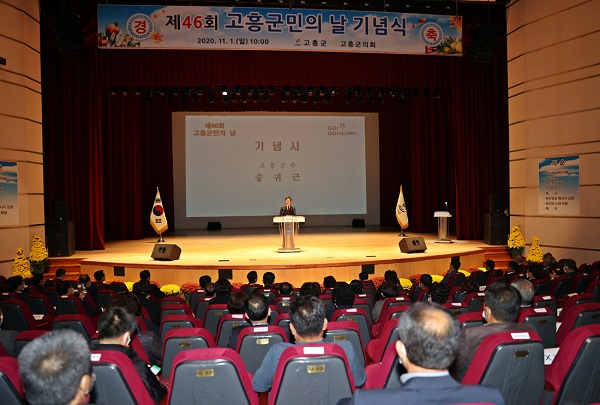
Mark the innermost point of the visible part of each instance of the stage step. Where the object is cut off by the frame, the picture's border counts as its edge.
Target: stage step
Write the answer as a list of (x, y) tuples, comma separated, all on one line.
[(497, 253), (70, 264)]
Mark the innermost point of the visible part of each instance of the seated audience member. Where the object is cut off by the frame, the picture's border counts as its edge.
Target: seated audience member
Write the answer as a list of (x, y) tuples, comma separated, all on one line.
[(428, 340), (16, 284), (116, 327), (149, 339), (500, 310), (203, 281), (342, 297), (307, 324), (511, 269), (425, 282), (65, 288), (543, 271), (452, 270), (100, 278), (363, 276), (209, 290), (569, 269), (7, 337), (252, 285), (389, 275), (526, 289), (237, 303), (490, 265), (56, 369), (88, 286), (469, 285), (38, 281), (388, 289), (156, 292), (222, 290), (357, 286), (269, 279), (310, 289), (257, 313), (329, 282), (142, 290), (60, 275), (89, 295), (438, 293), (285, 289)]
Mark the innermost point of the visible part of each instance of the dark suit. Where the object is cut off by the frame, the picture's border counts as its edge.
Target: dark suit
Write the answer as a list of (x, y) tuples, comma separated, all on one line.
[(471, 339), (283, 211), (441, 390)]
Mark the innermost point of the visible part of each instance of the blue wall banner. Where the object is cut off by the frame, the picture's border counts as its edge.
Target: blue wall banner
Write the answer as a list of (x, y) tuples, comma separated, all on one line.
[(558, 186), (282, 29), (9, 194)]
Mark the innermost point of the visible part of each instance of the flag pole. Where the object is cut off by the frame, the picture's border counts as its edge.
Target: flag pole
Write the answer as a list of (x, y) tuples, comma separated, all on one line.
[(160, 238)]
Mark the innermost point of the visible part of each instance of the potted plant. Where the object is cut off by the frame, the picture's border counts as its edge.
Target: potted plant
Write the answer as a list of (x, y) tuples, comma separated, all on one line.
[(38, 256), (535, 251), (516, 242), (20, 265)]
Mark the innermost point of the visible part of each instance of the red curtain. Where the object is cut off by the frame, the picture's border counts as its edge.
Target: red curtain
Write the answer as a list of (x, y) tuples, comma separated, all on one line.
[(106, 153)]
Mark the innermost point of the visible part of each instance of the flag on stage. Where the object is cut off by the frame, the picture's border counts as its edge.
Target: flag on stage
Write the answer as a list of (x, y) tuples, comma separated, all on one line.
[(158, 219), (401, 214)]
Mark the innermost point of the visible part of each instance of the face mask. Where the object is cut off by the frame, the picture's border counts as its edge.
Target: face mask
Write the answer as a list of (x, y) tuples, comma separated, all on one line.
[(483, 314), (1, 319)]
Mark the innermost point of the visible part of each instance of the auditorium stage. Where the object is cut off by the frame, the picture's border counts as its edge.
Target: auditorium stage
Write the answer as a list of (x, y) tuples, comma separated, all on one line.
[(338, 251)]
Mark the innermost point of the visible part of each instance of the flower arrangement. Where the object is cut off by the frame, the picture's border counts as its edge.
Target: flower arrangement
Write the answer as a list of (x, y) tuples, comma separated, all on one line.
[(129, 285), (190, 288), (414, 278), (170, 289), (465, 272), (516, 240), (155, 283), (437, 278), (38, 256), (236, 285), (535, 251), (20, 265), (405, 283), (377, 281)]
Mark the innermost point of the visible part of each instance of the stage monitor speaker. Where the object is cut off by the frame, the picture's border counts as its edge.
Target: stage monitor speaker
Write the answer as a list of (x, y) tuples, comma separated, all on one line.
[(61, 239), (166, 251), (61, 211), (495, 229), (412, 245), (213, 226), (496, 203), (358, 223)]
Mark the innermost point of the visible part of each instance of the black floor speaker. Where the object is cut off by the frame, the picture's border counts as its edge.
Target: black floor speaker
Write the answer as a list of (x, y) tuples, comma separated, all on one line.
[(412, 245), (495, 229), (166, 251), (61, 238)]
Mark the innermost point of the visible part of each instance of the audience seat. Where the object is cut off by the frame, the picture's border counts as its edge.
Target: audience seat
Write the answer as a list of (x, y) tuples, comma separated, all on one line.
[(23, 338), (215, 376), (170, 322), (18, 316), (175, 309), (594, 289), (8, 296), (580, 283), (69, 304), (194, 297), (560, 286), (470, 319), (52, 294), (387, 373), (275, 312), (178, 340), (11, 386), (544, 321), (250, 289), (396, 301), (117, 380), (283, 321), (541, 286), (135, 344), (474, 301), (212, 316), (349, 331), (270, 293), (572, 300), (367, 297), (578, 360), (391, 313), (456, 308), (106, 296), (480, 276), (118, 286), (357, 315), (327, 301), (545, 301), (226, 323), (579, 315), (387, 336), (283, 303), (513, 362), (255, 341), (170, 300), (312, 374), (40, 304), (76, 322), (200, 307)]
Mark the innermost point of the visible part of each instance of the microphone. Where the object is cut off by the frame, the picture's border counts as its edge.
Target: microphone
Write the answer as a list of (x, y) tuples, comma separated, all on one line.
[(446, 202)]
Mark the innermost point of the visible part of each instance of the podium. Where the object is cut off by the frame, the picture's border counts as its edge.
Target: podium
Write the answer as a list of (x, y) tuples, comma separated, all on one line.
[(442, 217), (288, 229)]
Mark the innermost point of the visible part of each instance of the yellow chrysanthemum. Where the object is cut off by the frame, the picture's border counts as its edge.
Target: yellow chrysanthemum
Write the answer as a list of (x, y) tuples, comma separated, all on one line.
[(516, 240), (21, 265), (129, 285), (535, 251), (170, 289), (38, 252), (405, 283), (437, 278)]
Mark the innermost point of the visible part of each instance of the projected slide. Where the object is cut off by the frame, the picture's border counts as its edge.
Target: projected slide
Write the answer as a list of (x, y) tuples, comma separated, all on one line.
[(246, 165)]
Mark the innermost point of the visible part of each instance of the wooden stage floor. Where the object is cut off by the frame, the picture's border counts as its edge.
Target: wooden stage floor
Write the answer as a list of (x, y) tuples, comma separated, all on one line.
[(338, 251)]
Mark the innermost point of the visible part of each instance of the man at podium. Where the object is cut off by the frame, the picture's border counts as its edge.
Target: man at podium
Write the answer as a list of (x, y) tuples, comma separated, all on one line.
[(287, 208)]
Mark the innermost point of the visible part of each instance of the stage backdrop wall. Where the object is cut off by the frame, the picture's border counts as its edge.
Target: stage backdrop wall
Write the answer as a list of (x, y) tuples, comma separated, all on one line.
[(106, 154)]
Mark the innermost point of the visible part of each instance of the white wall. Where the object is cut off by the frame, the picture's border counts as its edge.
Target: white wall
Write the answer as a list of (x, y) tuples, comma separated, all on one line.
[(21, 122), (554, 110)]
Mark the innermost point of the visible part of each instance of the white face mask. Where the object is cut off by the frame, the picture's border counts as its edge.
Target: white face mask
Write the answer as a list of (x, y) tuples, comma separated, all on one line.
[(1, 319), (483, 314)]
